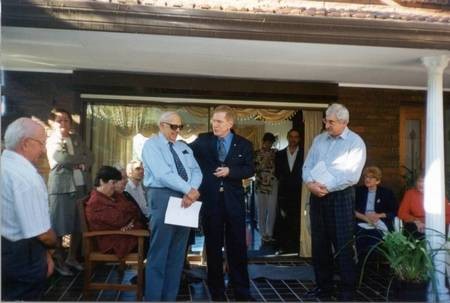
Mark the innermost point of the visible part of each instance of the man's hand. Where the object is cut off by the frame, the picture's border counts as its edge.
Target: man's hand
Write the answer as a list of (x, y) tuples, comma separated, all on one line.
[(190, 198), (48, 238), (317, 189), (221, 171), (50, 264)]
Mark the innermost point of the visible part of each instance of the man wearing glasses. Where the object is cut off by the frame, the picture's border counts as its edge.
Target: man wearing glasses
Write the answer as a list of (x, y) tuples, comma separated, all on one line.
[(333, 165), (26, 231), (170, 170)]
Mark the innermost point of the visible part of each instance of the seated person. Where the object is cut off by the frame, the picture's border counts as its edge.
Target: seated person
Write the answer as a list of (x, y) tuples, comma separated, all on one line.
[(412, 211), (120, 189), (107, 210), (375, 210)]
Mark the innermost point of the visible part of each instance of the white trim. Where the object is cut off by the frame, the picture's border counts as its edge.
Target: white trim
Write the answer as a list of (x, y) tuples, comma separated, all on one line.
[(39, 70), (345, 84), (205, 101)]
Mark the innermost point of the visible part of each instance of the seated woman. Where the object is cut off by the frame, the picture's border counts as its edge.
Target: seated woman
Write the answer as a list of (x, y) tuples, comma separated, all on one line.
[(108, 210), (412, 211), (375, 210)]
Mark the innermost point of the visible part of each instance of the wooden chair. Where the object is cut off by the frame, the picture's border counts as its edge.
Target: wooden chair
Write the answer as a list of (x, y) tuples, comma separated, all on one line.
[(92, 255)]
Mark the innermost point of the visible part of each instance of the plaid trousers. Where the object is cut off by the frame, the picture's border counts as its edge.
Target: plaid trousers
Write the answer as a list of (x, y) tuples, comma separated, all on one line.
[(332, 223)]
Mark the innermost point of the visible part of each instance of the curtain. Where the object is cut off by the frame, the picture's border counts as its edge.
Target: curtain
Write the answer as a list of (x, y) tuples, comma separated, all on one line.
[(116, 133), (313, 126)]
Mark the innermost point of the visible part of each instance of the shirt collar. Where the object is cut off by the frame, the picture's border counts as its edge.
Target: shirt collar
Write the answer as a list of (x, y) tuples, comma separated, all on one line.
[(164, 139), (18, 157), (344, 134), (228, 138)]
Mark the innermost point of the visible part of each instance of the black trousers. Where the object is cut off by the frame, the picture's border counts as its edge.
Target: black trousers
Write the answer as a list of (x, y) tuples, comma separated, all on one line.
[(24, 269), (217, 227), (332, 222)]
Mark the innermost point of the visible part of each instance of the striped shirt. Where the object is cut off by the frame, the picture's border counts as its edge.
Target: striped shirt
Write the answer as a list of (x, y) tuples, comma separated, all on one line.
[(25, 212)]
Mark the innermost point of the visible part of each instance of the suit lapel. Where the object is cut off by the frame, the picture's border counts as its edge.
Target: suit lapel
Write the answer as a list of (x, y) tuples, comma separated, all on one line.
[(213, 147)]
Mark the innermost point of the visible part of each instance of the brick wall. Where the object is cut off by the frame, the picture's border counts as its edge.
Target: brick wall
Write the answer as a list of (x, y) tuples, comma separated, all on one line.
[(34, 95), (374, 113)]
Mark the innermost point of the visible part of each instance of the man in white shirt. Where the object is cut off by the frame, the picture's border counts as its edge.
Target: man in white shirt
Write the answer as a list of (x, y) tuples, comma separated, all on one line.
[(135, 173), (25, 221), (333, 165)]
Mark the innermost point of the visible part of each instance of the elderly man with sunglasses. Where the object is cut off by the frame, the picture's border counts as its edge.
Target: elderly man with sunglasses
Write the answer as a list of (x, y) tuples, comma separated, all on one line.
[(170, 169)]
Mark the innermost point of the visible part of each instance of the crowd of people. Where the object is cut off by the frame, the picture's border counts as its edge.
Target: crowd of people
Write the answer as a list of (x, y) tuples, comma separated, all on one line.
[(35, 217)]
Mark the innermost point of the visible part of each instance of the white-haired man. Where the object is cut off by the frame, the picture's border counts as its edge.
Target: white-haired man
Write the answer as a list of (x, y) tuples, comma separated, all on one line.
[(135, 173), (25, 228), (333, 165), (170, 170)]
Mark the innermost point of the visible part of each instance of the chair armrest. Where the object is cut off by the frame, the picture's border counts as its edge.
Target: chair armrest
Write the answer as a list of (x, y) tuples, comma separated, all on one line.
[(134, 233)]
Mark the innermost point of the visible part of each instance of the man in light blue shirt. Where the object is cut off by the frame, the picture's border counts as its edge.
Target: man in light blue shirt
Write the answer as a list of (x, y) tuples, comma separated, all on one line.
[(333, 165), (170, 169)]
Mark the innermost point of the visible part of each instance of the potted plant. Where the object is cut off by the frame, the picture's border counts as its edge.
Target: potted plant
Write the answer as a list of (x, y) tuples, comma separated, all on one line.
[(411, 261)]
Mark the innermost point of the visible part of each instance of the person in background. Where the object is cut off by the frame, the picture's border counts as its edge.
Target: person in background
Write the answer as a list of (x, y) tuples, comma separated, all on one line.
[(266, 187), (375, 210), (26, 232), (288, 170), (333, 165), (68, 181), (135, 173), (412, 210), (225, 159), (108, 209), (170, 171)]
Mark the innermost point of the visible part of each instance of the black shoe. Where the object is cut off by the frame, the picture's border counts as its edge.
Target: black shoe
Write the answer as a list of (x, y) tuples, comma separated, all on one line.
[(345, 296), (219, 298), (318, 293)]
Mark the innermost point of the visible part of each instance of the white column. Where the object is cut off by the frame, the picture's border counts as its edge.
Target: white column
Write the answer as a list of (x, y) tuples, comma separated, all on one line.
[(434, 189)]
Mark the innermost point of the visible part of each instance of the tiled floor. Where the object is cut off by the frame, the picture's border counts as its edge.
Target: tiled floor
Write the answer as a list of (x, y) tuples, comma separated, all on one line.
[(262, 290)]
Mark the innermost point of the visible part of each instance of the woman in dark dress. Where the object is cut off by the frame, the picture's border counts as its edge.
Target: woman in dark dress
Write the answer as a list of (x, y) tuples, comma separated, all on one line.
[(375, 210)]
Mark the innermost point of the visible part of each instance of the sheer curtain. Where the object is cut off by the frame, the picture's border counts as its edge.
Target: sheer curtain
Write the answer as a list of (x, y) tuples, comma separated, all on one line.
[(313, 126)]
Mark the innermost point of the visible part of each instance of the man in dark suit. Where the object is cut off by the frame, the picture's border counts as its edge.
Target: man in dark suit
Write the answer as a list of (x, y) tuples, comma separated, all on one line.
[(225, 159), (288, 169)]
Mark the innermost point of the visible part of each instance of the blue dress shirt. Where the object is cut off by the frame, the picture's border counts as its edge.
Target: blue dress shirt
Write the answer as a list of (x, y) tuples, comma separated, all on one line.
[(344, 157), (160, 169)]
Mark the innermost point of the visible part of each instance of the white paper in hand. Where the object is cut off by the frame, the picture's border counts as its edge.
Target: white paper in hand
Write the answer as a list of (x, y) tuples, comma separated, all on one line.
[(177, 215), (320, 174)]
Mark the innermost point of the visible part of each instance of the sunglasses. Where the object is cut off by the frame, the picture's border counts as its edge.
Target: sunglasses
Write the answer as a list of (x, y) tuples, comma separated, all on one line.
[(174, 126)]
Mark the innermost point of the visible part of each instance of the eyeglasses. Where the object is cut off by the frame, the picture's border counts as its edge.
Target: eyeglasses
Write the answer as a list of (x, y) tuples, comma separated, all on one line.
[(331, 122), (38, 141), (174, 126)]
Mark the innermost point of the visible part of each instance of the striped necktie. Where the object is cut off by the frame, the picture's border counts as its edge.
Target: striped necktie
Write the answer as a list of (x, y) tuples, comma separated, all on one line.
[(180, 168), (221, 151)]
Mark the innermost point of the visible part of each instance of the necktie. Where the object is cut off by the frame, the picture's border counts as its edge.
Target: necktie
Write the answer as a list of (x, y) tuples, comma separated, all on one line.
[(221, 151), (180, 168)]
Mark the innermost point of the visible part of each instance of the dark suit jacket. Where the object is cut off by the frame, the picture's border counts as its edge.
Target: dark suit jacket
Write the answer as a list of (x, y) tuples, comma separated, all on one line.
[(240, 162), (384, 203), (289, 182)]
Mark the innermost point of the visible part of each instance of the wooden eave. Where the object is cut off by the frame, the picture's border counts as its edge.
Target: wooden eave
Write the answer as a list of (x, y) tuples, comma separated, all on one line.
[(110, 17)]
